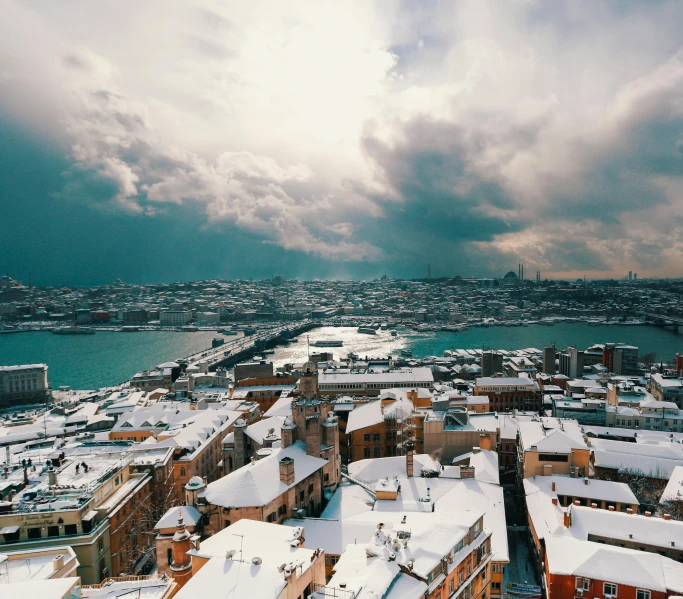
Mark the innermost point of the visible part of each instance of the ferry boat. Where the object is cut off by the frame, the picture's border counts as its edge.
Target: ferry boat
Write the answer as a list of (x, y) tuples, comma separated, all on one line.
[(328, 343), (406, 353), (367, 330), (73, 330), (394, 334)]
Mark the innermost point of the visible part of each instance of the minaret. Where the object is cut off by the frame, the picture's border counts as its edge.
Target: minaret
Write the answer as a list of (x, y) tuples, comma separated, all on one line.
[(182, 562)]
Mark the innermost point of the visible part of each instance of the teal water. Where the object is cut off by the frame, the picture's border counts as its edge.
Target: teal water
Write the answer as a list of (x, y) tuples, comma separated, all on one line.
[(664, 342), (100, 360), (92, 361)]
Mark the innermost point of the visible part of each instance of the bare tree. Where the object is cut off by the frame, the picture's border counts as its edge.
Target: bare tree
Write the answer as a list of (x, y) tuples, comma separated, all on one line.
[(647, 487)]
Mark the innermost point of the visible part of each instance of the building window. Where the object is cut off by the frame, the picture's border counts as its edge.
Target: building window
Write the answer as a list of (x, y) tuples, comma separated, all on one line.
[(310, 489), (100, 545), (582, 584), (226, 523), (33, 533), (182, 472), (451, 586), (376, 437), (160, 475), (272, 517), (53, 531), (326, 477), (377, 452), (553, 457), (641, 594), (610, 589), (495, 568), (366, 452), (366, 437), (71, 529)]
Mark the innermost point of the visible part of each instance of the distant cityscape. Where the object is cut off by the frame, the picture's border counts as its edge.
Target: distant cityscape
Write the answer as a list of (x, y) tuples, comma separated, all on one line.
[(476, 471)]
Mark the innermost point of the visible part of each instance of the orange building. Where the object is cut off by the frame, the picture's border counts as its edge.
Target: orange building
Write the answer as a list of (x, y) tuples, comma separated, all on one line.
[(577, 568)]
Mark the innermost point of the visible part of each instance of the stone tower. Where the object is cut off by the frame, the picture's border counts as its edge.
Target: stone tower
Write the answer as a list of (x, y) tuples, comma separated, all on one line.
[(308, 381), (182, 562)]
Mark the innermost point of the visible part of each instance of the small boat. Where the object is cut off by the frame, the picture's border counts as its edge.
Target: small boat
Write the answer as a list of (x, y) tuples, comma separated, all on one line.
[(406, 353), (73, 330), (367, 330), (394, 334), (328, 343)]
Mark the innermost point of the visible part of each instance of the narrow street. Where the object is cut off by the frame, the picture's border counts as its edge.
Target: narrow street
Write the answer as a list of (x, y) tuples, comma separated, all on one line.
[(520, 569)]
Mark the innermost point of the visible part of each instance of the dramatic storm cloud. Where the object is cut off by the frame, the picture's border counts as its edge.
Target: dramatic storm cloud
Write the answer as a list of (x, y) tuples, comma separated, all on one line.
[(178, 140)]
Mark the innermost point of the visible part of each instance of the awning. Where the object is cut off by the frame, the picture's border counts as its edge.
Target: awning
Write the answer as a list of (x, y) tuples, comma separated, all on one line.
[(90, 515), (9, 530)]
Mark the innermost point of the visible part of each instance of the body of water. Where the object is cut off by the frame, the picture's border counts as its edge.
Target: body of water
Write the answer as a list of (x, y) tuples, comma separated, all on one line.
[(92, 361), (100, 360), (663, 342)]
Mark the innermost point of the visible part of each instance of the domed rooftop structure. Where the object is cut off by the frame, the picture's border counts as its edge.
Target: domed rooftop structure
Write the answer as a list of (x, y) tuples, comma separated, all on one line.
[(195, 482)]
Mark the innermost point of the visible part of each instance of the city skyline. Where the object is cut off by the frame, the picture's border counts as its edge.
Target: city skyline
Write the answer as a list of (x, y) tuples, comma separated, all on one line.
[(210, 141)]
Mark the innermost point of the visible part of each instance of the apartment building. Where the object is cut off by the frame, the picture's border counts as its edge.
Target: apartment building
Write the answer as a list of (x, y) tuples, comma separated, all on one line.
[(335, 382), (252, 559), (585, 569), (552, 446), (510, 393), (283, 479), (91, 501), (667, 388), (25, 384), (175, 318), (415, 493)]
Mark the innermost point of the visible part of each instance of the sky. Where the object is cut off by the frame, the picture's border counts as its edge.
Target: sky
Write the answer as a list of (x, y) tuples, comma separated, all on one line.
[(185, 140)]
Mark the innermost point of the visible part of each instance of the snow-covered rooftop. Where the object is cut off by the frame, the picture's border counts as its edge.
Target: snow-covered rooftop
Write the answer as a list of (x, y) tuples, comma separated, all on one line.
[(258, 483)]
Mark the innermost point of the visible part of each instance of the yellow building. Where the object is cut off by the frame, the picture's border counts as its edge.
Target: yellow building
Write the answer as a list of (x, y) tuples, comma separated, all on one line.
[(552, 446)]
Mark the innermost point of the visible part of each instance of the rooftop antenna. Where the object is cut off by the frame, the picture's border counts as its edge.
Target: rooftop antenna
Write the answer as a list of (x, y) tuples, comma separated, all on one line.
[(241, 543)]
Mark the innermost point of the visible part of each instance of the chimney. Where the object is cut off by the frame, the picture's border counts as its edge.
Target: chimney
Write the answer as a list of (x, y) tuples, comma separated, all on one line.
[(567, 519), (555, 502), (629, 511), (51, 476), (287, 471), (585, 481), (240, 444), (594, 506), (466, 471), (58, 562), (554, 486), (611, 508), (410, 452), (287, 433), (648, 514), (667, 516), (485, 441)]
